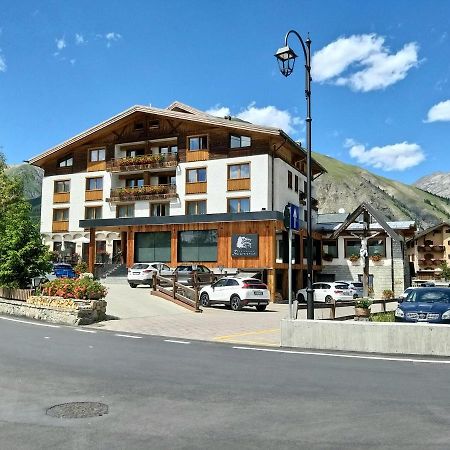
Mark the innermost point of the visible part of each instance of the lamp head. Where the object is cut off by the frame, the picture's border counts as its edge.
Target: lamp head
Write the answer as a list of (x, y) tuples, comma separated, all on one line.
[(286, 60)]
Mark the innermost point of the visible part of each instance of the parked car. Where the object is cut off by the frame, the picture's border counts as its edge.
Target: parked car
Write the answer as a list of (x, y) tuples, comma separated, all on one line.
[(404, 294), (355, 287), (425, 304), (63, 270), (327, 292), (142, 273), (185, 274), (237, 293)]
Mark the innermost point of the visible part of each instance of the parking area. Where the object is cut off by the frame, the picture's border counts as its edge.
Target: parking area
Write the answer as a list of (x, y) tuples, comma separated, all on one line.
[(137, 311)]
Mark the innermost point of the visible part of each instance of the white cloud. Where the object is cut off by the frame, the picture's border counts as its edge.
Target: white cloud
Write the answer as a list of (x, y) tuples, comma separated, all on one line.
[(439, 112), (2, 64), (267, 116), (112, 37), (392, 157), (363, 63), (79, 39), (60, 43)]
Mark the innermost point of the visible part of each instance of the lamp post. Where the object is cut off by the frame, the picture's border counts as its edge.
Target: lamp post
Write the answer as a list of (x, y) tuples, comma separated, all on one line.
[(286, 61)]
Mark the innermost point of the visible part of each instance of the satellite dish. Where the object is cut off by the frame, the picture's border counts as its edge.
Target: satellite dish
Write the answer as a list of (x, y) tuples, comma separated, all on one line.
[(341, 211)]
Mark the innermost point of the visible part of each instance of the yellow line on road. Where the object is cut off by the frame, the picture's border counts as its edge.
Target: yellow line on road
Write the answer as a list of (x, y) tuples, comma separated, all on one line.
[(247, 333)]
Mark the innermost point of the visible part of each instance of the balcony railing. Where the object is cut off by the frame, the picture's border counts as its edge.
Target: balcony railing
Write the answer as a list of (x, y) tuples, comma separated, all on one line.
[(145, 162), (149, 192), (431, 248), (431, 262)]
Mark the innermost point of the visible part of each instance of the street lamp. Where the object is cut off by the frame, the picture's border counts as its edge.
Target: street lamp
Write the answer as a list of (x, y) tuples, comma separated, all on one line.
[(286, 61)]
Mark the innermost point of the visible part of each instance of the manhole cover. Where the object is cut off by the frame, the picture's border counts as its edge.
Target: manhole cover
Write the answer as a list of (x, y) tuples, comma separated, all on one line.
[(78, 410)]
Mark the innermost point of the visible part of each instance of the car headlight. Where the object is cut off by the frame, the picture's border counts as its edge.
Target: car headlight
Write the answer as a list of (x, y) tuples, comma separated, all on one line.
[(400, 314), (446, 315)]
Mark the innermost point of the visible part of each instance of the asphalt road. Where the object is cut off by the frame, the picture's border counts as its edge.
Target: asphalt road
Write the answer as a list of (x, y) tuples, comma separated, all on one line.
[(172, 395)]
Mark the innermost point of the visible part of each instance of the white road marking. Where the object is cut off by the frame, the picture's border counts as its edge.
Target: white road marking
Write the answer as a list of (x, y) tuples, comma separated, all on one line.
[(337, 355), (128, 336), (46, 337), (30, 323), (176, 342), (82, 330)]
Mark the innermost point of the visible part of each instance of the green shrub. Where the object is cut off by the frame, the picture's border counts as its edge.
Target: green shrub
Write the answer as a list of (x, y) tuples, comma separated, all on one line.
[(363, 303), (383, 317)]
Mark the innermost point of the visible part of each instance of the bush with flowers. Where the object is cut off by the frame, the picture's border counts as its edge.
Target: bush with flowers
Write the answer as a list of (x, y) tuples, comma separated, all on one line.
[(79, 288)]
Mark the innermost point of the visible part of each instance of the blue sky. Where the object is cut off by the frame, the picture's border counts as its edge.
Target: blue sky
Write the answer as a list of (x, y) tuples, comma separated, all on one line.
[(380, 96)]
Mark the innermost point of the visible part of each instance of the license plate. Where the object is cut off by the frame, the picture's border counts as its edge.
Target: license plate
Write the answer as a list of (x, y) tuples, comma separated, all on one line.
[(346, 292), (136, 273), (258, 292)]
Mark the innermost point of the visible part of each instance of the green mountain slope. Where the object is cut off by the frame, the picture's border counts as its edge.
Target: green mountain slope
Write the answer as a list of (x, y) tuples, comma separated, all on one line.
[(346, 186)]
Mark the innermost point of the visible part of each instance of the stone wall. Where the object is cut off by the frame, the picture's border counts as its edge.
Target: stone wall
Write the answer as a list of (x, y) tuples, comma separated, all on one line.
[(60, 311)]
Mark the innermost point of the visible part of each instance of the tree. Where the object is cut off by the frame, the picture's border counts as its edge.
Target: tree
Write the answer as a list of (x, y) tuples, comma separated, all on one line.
[(22, 253), (445, 271)]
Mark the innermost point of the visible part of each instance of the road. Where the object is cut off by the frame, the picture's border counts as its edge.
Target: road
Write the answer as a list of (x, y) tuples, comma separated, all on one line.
[(170, 394)]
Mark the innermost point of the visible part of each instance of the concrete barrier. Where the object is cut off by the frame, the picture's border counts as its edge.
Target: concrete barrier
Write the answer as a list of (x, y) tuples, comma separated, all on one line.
[(369, 337)]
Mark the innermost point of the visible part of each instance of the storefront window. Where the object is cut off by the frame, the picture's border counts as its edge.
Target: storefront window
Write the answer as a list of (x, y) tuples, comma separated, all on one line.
[(197, 245), (151, 247)]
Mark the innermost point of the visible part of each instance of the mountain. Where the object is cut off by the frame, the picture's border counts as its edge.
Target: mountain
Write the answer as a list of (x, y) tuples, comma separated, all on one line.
[(437, 183), (346, 186)]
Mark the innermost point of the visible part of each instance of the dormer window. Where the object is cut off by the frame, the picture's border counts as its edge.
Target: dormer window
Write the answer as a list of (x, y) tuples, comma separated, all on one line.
[(237, 141), (66, 162)]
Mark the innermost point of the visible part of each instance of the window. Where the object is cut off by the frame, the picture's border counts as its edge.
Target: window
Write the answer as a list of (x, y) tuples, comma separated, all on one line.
[(150, 247), (289, 179), (238, 205), (97, 154), (330, 248), (198, 143), (237, 171), (197, 245), (94, 184), (352, 247), (296, 183), (196, 175), (159, 209), (196, 207), (240, 141), (93, 212), (168, 149), (134, 182), (132, 153), (125, 211), (62, 186), (138, 126), (61, 215), (66, 162), (376, 246), (153, 123)]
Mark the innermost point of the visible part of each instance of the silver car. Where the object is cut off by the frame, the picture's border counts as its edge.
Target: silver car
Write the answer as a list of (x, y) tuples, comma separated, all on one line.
[(356, 287), (142, 273)]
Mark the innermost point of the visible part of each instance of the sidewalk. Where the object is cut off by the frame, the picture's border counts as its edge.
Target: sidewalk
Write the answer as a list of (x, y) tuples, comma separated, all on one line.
[(140, 312)]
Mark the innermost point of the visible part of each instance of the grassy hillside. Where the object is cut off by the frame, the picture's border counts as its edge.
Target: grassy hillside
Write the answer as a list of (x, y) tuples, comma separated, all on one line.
[(346, 186)]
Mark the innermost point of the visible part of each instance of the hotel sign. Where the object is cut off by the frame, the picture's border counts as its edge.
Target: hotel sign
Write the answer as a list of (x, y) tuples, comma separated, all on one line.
[(243, 245)]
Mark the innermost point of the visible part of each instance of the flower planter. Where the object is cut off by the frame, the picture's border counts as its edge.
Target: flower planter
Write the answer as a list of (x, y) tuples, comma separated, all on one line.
[(362, 312)]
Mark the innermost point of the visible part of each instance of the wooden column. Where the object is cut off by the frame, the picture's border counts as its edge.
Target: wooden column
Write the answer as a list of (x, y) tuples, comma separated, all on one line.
[(271, 283), (91, 250), (366, 258), (130, 248), (173, 246)]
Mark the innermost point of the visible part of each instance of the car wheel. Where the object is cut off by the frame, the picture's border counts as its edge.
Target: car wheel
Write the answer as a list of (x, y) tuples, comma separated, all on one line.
[(261, 307), (204, 299), (300, 298), (132, 285), (355, 296), (328, 299), (235, 303)]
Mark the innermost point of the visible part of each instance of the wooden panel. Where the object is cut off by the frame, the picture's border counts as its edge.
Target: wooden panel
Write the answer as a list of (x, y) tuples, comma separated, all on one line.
[(93, 166), (58, 226), (92, 257), (61, 197), (94, 195), (196, 188), (241, 184), (198, 155)]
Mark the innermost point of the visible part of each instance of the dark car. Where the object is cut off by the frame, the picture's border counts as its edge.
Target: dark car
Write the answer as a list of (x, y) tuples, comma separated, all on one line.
[(185, 274), (425, 304), (62, 270)]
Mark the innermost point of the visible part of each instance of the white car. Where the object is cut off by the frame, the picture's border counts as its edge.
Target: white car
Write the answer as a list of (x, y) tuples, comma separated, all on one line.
[(237, 293), (142, 273), (355, 287), (327, 292)]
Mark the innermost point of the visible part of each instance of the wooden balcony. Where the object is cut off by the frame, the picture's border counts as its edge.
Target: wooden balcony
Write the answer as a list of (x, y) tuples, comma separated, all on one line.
[(197, 155), (60, 225), (61, 197), (431, 262), (94, 195), (140, 163), (149, 192), (199, 187), (240, 184), (431, 248), (94, 166)]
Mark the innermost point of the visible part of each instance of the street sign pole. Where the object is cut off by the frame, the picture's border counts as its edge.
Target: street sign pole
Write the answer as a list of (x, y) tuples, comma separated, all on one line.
[(290, 273)]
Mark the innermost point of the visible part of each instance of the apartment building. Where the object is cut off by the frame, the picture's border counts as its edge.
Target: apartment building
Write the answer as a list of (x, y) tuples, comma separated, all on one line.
[(177, 185), (428, 250)]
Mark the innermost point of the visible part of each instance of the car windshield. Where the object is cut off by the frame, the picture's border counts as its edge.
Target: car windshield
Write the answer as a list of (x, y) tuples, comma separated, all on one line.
[(140, 266), (429, 295), (357, 285), (184, 269), (341, 286)]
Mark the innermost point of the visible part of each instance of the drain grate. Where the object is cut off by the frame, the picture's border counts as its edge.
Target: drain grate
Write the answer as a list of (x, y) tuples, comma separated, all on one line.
[(78, 410)]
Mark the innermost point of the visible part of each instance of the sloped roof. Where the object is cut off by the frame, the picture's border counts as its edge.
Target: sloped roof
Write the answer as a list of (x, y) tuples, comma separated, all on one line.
[(331, 218), (429, 229), (379, 218)]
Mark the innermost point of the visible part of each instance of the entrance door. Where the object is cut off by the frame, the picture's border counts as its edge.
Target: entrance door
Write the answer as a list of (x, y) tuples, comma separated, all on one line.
[(117, 251)]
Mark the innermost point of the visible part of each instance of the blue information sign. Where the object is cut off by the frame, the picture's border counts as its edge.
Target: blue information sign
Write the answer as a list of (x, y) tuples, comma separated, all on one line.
[(295, 216)]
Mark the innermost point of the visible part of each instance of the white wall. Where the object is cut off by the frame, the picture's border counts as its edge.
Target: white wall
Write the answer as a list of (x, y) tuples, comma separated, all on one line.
[(282, 194)]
